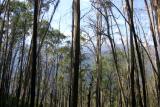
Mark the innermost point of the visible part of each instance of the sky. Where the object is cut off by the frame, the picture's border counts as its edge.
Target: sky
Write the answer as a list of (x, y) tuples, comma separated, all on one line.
[(63, 15), (64, 11)]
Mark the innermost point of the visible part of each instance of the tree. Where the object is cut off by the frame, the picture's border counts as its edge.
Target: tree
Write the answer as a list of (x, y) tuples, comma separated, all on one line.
[(34, 53), (76, 51)]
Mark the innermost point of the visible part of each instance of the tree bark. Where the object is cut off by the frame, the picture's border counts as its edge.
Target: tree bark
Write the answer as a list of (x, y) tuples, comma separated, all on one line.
[(76, 51), (34, 51)]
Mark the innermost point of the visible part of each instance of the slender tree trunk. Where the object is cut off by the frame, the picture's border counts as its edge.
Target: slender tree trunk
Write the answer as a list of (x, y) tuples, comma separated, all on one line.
[(34, 51), (155, 41), (98, 56), (21, 69), (76, 51), (142, 70)]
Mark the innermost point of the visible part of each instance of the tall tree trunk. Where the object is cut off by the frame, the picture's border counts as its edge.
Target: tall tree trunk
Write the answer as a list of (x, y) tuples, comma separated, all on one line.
[(76, 51), (133, 100), (34, 51), (98, 56), (21, 69), (157, 13), (141, 66)]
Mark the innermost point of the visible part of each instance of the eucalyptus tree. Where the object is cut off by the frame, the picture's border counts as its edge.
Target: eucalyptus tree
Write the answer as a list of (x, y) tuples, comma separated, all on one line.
[(11, 41), (34, 53), (98, 55), (76, 51), (134, 37)]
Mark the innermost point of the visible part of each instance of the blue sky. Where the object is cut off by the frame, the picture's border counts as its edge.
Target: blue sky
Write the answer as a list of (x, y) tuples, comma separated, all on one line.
[(64, 11), (63, 15)]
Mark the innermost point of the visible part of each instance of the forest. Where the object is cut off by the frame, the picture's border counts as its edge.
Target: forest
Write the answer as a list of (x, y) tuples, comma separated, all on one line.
[(79, 53)]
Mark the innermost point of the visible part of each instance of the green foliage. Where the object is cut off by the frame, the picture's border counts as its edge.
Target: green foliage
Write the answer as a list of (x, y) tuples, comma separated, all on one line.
[(17, 7)]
